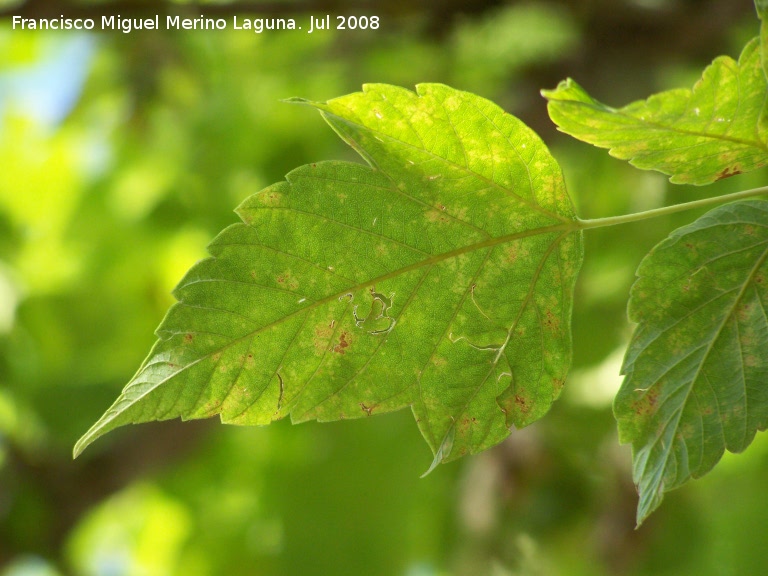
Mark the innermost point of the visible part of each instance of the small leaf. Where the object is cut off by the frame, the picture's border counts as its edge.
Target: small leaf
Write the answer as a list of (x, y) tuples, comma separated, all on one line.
[(696, 369), (439, 278), (697, 136)]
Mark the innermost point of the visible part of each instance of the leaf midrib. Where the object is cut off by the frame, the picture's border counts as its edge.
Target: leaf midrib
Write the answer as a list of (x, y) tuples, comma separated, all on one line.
[(569, 226), (663, 127)]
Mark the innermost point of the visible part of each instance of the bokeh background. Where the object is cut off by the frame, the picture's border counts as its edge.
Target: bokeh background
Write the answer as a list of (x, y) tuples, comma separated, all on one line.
[(122, 155)]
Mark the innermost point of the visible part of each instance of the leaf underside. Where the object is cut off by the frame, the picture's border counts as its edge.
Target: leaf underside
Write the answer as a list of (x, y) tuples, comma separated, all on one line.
[(696, 369), (439, 277), (697, 136)]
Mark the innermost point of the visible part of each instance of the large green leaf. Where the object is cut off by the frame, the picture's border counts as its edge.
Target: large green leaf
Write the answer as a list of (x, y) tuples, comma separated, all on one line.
[(697, 367), (697, 136), (440, 278)]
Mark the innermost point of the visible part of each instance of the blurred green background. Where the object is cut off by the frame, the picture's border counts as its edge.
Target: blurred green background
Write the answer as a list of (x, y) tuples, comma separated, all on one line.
[(122, 155)]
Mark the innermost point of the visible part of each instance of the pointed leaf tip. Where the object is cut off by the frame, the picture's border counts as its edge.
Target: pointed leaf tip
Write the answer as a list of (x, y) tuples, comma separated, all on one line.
[(297, 100), (443, 452)]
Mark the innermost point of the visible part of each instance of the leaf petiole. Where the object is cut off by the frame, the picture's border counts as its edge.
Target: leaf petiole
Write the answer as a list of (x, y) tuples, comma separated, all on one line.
[(656, 212)]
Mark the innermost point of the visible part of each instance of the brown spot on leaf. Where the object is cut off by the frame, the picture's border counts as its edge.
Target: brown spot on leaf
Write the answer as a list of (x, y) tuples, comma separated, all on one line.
[(522, 404), (269, 198), (436, 216), (515, 251), (465, 424), (188, 338), (646, 405), (551, 322), (686, 432), (287, 280), (343, 343), (728, 172), (743, 312), (512, 254), (323, 333), (367, 409)]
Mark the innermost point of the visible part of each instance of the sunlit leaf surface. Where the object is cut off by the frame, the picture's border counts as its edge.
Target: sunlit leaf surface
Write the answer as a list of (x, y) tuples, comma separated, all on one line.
[(696, 136), (440, 277), (697, 368)]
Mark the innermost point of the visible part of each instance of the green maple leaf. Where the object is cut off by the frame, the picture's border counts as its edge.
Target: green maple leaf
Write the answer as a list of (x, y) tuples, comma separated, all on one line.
[(696, 369), (440, 277), (717, 129)]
